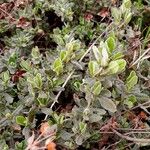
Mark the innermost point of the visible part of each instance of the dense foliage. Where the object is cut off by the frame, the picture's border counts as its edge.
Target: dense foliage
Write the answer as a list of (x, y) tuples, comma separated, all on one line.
[(74, 74)]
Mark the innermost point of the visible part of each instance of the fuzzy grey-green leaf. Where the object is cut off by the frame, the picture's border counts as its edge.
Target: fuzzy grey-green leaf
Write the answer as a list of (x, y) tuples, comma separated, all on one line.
[(108, 104)]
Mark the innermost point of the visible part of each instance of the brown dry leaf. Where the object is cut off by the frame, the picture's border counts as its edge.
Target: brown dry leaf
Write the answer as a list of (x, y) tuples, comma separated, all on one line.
[(5, 9), (22, 23), (130, 115), (46, 129), (51, 146), (18, 74), (134, 43), (88, 16), (16, 127), (111, 123), (114, 2), (143, 115), (21, 3), (104, 12), (30, 143)]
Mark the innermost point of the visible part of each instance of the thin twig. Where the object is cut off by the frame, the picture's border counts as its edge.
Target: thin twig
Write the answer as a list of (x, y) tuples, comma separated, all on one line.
[(69, 76), (4, 121), (107, 148), (7, 14), (57, 96), (141, 105), (137, 132), (134, 63), (44, 138), (41, 148), (131, 138), (93, 44), (129, 129)]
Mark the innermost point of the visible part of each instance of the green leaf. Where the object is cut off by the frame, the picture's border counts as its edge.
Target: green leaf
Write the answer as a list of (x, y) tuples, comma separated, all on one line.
[(116, 66), (117, 55), (104, 55), (113, 67), (38, 81), (131, 80), (122, 64), (127, 17), (63, 55), (58, 39), (93, 68), (116, 13), (35, 53), (13, 59), (127, 3), (5, 76), (108, 104), (111, 43), (57, 66), (82, 127), (25, 65), (42, 99), (130, 101), (97, 87), (21, 120), (97, 53)]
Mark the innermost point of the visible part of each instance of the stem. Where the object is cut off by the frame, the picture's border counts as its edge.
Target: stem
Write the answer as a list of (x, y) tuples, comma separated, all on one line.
[(7, 14), (140, 57), (137, 132), (57, 96), (141, 105), (4, 121), (44, 138), (130, 138), (93, 44), (107, 148), (38, 138), (128, 129), (41, 148), (68, 78)]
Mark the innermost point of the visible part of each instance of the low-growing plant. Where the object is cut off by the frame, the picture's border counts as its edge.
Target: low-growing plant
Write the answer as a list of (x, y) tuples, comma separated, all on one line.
[(74, 74)]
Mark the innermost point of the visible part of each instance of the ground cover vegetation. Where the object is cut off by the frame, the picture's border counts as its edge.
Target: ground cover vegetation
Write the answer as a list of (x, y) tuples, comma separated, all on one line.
[(74, 74)]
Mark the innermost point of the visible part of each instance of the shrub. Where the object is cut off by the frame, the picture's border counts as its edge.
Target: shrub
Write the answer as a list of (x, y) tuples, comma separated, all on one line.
[(74, 74)]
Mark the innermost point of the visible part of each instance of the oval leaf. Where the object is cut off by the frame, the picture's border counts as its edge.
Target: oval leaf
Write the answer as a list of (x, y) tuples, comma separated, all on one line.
[(93, 68), (97, 53), (108, 104), (97, 87), (111, 43)]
